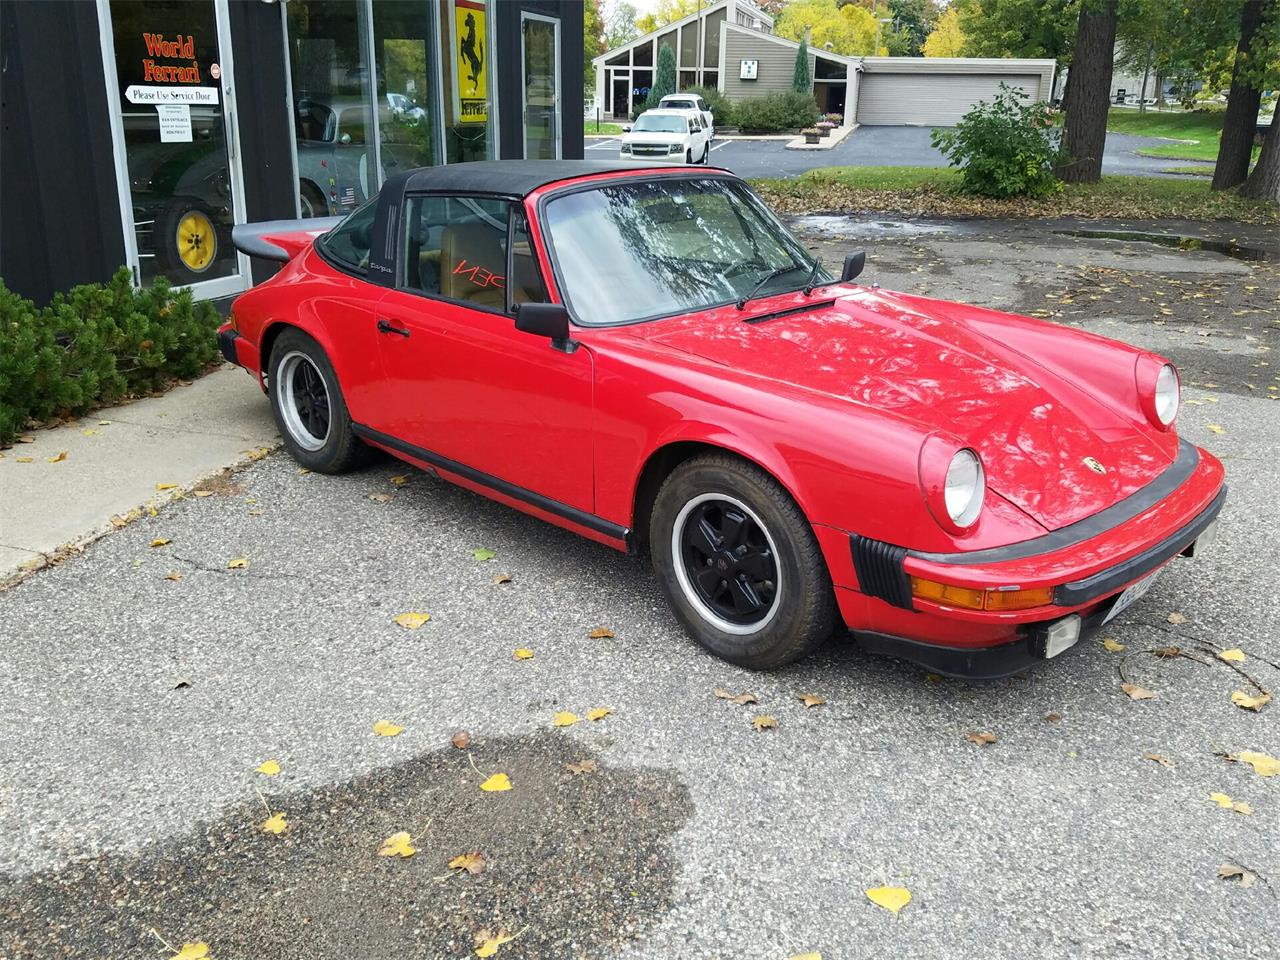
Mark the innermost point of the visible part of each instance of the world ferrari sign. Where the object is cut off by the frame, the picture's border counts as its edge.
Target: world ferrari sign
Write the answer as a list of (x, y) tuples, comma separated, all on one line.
[(470, 60)]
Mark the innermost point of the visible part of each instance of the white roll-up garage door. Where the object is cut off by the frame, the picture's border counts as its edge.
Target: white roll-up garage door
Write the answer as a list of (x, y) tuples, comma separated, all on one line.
[(929, 99)]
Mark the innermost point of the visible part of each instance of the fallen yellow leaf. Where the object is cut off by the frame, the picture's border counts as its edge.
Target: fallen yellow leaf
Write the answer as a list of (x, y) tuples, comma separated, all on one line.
[(385, 728), (1158, 758), (1226, 803), (268, 768), (806, 956), (981, 739), (1176, 617), (1221, 799), (26, 439), (1246, 702), (397, 845), (24, 460), (401, 480), (173, 575), (600, 633), (165, 486), (239, 563), (812, 699), (763, 722), (1229, 871), (891, 898), (502, 578), (497, 783), (58, 457), (161, 542), (473, 863), (192, 951), (566, 719), (412, 620), (598, 713), (1234, 655), (482, 554), (276, 824), (487, 943), (1135, 692), (524, 653), (204, 493), (1112, 646), (1216, 429), (89, 433), (1263, 765), (586, 766)]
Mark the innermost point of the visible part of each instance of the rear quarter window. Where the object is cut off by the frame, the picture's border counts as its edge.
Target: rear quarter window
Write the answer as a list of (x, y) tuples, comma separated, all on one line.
[(348, 243)]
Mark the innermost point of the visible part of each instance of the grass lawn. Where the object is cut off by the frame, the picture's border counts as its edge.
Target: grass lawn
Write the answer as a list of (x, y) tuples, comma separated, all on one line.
[(1202, 126), (931, 191), (591, 128), (1192, 169)]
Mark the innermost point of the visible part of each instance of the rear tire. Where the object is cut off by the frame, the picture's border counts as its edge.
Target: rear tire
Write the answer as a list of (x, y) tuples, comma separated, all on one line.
[(739, 563), (309, 408)]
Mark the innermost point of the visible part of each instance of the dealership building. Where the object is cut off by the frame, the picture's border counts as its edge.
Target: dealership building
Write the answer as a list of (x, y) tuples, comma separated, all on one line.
[(730, 45), (137, 132)]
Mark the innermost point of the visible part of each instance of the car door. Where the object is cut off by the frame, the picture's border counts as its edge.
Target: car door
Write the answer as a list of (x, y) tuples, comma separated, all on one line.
[(461, 382)]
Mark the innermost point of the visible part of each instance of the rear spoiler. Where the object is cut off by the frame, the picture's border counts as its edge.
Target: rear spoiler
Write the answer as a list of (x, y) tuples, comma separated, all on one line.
[(280, 240)]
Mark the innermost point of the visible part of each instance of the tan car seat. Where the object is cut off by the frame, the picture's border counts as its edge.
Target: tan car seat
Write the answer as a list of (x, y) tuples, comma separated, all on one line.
[(472, 264)]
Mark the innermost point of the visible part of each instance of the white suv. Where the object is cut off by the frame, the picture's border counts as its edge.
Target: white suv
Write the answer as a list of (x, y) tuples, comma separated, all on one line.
[(675, 135), (693, 104)]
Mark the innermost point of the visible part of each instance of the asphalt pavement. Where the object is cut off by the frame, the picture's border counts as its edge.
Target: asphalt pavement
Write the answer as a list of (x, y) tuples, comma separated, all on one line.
[(140, 687), (881, 147)]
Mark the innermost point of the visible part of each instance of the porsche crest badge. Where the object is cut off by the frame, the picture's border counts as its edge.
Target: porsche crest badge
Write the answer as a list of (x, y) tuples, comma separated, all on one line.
[(1094, 465)]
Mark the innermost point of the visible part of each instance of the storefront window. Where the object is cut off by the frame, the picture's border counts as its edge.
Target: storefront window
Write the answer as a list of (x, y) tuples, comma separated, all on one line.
[(468, 93), (406, 83), (333, 115), (541, 86), (175, 140)]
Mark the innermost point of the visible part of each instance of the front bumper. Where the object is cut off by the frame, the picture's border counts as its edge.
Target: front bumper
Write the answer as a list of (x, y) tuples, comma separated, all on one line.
[(1086, 566)]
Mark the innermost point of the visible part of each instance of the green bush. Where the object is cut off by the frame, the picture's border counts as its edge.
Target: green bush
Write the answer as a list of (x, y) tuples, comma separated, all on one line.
[(776, 111), (719, 105), (97, 344), (1004, 147)]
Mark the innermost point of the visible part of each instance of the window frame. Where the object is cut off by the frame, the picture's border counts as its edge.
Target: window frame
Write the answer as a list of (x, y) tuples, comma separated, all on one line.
[(335, 261), (515, 204)]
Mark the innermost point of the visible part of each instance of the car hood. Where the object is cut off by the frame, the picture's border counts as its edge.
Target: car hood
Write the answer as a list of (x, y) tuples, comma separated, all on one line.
[(1032, 429)]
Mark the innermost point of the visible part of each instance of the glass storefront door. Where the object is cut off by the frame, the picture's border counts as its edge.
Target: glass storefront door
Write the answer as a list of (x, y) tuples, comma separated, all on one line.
[(173, 112), (540, 85)]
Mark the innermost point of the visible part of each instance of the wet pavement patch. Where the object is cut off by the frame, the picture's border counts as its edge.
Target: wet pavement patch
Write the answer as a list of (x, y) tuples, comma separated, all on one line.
[(1230, 247), (575, 862)]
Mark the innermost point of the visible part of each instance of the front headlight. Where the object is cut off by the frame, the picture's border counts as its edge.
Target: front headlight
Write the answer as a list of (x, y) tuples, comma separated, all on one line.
[(1167, 394), (964, 488)]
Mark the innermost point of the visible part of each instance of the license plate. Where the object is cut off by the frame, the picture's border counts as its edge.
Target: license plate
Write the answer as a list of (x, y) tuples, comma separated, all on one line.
[(1132, 595)]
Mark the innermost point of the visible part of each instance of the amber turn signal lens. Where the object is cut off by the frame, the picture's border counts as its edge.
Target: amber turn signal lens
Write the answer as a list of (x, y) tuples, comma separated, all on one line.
[(973, 599)]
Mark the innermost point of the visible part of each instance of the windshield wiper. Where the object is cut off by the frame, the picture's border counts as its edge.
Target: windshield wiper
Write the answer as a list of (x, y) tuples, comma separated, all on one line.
[(772, 275), (812, 282)]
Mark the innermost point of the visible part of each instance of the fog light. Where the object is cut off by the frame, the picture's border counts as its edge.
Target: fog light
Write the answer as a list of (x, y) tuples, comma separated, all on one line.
[(1061, 635)]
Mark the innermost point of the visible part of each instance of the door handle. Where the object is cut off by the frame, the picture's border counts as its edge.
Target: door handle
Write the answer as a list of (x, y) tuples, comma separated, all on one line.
[(386, 326)]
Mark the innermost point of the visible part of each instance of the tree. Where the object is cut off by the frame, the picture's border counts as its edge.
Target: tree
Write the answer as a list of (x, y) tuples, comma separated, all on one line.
[(801, 82), (1235, 148), (848, 30), (1020, 28), (664, 81), (667, 11), (1264, 71), (913, 21), (619, 23), (592, 41), (947, 39), (1084, 133)]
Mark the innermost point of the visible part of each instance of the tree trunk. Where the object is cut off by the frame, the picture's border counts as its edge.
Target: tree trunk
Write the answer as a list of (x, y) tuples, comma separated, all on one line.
[(1084, 135), (1241, 121), (1264, 182)]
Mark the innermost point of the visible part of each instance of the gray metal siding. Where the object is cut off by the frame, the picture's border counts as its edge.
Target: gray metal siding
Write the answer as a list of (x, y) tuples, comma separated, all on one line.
[(938, 99), (777, 65)]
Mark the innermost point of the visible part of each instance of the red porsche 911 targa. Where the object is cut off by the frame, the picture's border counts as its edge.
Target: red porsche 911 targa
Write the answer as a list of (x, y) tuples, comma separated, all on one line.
[(646, 356)]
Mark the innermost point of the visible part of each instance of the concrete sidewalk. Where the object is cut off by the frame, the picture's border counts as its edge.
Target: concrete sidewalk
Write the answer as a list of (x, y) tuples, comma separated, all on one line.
[(116, 457)]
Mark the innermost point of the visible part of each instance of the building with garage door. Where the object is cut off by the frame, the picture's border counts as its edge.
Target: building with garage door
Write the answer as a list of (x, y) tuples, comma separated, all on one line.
[(751, 61), (138, 132)]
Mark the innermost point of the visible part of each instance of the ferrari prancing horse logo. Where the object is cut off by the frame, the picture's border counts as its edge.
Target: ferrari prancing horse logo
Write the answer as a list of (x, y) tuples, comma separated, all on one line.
[(1094, 465)]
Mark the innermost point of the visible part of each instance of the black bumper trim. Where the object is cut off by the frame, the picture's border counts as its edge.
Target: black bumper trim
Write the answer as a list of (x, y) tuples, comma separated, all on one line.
[(227, 346), (879, 569), (1105, 581), (1137, 502)]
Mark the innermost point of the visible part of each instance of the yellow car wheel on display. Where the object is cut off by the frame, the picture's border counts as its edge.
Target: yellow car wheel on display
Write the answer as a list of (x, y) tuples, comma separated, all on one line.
[(196, 241)]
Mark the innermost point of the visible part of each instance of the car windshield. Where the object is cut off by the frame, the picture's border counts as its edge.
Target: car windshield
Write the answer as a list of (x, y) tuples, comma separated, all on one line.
[(651, 124), (678, 104), (638, 250)]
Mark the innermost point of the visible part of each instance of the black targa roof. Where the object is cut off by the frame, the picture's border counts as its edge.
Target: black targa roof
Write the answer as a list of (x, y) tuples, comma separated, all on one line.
[(517, 178)]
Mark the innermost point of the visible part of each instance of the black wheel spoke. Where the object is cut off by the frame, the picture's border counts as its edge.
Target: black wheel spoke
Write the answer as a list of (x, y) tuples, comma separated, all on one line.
[(728, 562)]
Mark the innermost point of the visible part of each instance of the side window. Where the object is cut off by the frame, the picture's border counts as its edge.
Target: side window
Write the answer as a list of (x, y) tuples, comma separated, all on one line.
[(456, 247), (526, 279), (348, 242)]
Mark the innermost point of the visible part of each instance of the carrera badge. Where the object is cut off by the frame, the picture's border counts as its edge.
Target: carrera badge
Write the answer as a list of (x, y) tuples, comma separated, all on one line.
[(1094, 465)]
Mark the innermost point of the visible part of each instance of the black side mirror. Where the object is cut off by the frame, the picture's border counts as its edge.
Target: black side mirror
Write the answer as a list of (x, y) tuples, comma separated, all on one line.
[(544, 320), (853, 264)]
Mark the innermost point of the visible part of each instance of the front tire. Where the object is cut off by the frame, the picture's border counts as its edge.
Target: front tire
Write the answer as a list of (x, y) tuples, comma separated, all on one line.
[(309, 408), (739, 563), (688, 156)]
